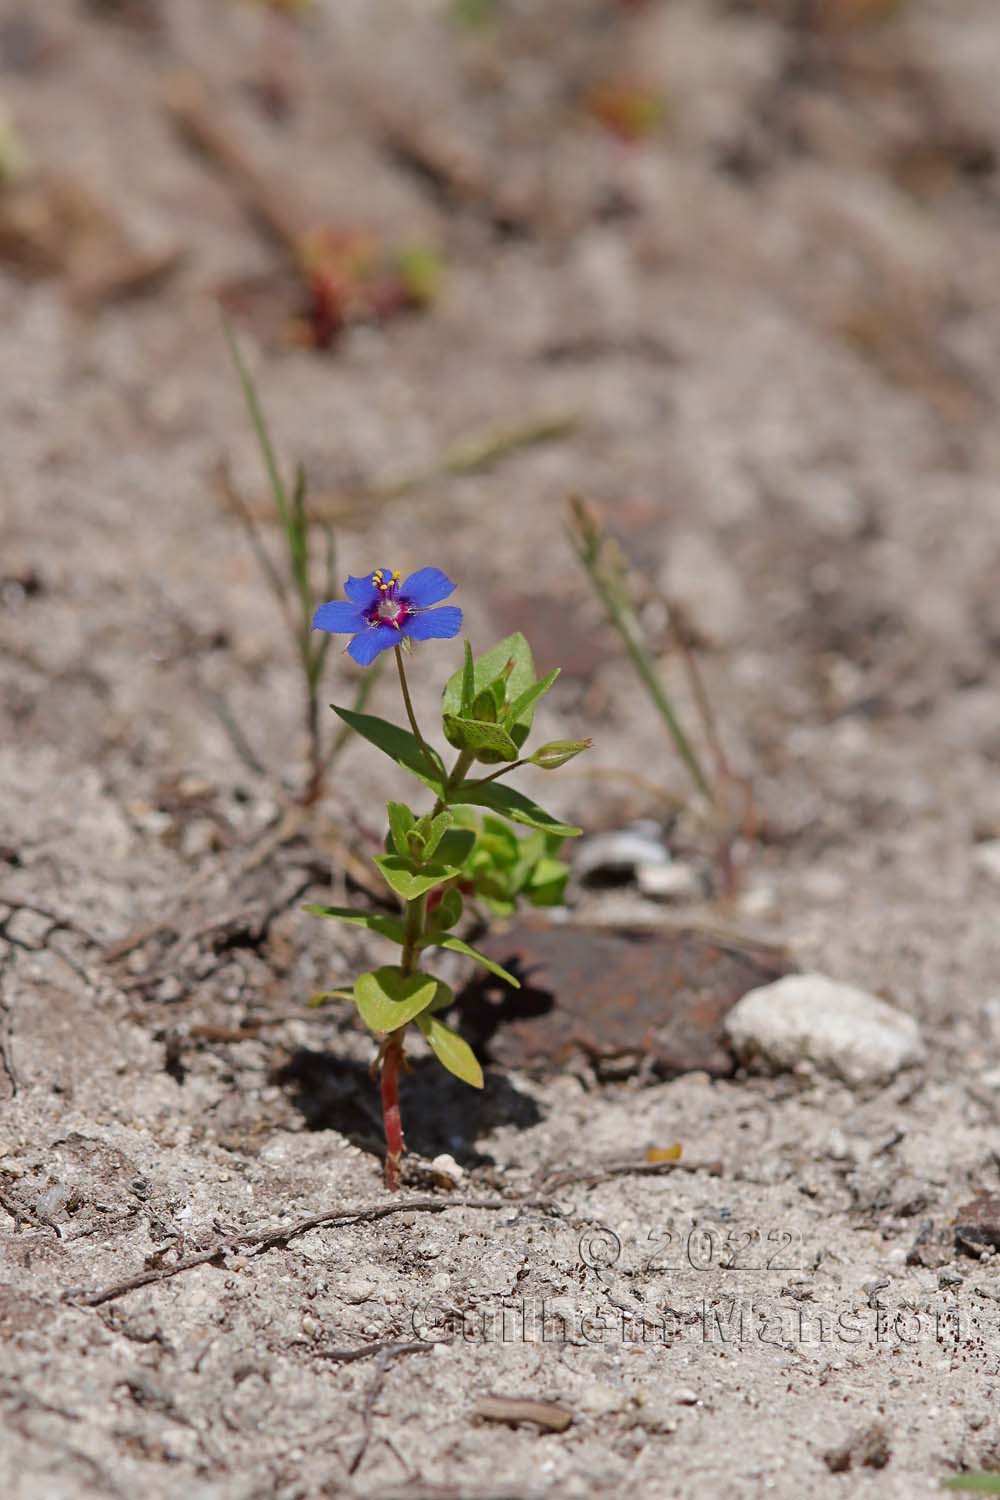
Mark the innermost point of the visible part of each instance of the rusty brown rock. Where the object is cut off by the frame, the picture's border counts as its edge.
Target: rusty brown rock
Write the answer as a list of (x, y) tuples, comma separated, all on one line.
[(977, 1223), (616, 996)]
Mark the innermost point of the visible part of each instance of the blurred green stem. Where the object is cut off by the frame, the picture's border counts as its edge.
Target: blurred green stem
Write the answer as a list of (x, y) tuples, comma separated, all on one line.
[(608, 581)]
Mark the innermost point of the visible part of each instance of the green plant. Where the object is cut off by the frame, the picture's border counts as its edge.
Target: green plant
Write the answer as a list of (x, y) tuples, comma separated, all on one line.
[(723, 797), (292, 585), (436, 860)]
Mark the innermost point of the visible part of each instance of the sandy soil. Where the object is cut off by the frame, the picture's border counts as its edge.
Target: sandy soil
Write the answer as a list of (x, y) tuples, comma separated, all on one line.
[(775, 325)]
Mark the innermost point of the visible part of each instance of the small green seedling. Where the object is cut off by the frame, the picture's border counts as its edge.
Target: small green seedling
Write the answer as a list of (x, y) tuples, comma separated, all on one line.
[(292, 585), (469, 844)]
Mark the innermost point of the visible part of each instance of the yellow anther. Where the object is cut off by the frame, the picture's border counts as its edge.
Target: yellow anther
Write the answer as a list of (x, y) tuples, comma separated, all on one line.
[(395, 577)]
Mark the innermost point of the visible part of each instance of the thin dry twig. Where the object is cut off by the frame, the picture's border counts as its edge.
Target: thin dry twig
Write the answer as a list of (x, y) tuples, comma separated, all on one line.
[(261, 1240), (382, 1348), (550, 1415), (384, 1353), (7, 1052)]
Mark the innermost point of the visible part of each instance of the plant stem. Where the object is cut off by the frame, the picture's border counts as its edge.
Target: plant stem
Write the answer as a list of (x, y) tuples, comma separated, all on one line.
[(588, 544), (409, 710), (392, 1060), (416, 910), (317, 766), (416, 914), (392, 1051), (456, 775), (511, 765)]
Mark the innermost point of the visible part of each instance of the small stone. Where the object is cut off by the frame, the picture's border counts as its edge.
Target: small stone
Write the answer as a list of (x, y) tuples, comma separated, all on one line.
[(601, 1400), (199, 837), (867, 1449), (759, 901), (357, 1290), (686, 1396), (977, 1224), (657, 1419), (987, 858), (932, 1248), (446, 1170), (808, 1022), (669, 882), (607, 856)]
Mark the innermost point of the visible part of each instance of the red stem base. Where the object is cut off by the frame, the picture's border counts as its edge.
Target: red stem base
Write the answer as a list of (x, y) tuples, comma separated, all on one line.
[(392, 1059)]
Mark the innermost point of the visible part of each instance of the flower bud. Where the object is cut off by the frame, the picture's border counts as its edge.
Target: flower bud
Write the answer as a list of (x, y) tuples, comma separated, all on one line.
[(557, 752)]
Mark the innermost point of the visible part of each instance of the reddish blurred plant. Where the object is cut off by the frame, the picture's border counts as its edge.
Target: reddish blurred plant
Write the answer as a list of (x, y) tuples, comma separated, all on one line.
[(626, 108), (349, 278)]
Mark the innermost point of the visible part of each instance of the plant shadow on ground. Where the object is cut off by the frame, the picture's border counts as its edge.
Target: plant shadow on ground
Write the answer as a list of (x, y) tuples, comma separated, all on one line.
[(486, 1006), (439, 1114)]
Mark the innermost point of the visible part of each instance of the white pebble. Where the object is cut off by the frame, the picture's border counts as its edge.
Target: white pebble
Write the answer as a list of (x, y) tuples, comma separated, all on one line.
[(670, 882), (601, 1400), (807, 1022), (987, 858)]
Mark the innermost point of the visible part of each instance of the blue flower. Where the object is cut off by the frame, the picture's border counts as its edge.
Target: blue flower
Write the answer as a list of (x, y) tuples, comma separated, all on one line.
[(380, 612)]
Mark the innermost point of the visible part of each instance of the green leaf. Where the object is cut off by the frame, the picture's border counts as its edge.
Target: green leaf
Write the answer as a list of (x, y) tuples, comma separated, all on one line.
[(447, 912), (456, 945), (387, 927), (485, 706), (298, 541), (979, 1483), (409, 881), (399, 744), (498, 841), (388, 998), (441, 1001), (455, 847), (486, 669), (514, 805), (468, 690), (547, 886), (494, 885), (531, 695), (530, 851), (436, 830), (475, 734), (260, 428), (401, 820), (451, 1050)]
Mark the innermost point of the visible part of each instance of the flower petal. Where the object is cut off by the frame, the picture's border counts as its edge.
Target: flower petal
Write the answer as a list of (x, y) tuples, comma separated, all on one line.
[(427, 586), (361, 591), (434, 624), (339, 617), (369, 642)]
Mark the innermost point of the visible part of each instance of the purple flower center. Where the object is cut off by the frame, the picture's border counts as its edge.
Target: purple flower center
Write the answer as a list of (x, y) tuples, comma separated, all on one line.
[(388, 608)]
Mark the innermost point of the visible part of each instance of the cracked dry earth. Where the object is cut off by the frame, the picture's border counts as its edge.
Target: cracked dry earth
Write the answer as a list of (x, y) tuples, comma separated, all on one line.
[(775, 327)]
